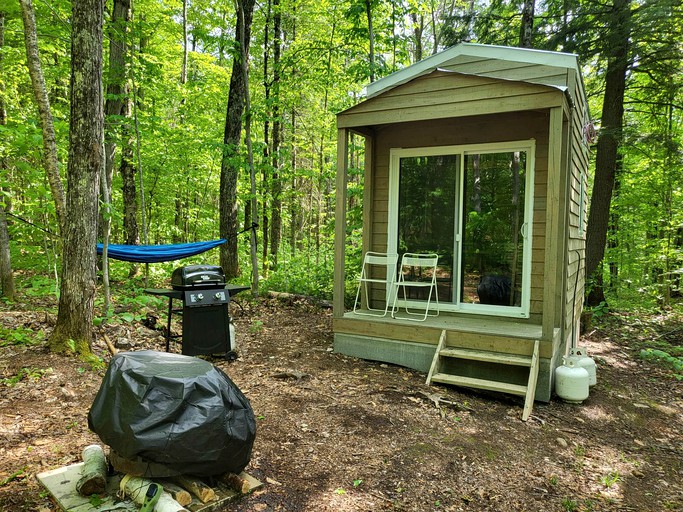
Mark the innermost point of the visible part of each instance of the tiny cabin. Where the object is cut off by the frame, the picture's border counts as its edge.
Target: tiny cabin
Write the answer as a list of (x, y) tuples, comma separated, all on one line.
[(478, 157)]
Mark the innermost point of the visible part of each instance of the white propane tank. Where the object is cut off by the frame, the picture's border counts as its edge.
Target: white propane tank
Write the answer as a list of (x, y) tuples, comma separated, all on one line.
[(571, 382), (581, 359)]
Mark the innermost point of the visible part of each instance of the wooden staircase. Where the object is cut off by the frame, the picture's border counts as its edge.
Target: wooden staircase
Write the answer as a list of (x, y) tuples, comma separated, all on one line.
[(531, 361)]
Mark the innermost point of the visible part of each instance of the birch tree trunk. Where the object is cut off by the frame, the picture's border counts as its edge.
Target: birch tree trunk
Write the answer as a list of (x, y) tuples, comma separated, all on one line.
[(43, 103), (73, 331)]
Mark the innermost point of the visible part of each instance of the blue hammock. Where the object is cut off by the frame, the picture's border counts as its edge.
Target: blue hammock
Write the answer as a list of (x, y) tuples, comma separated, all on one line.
[(158, 253)]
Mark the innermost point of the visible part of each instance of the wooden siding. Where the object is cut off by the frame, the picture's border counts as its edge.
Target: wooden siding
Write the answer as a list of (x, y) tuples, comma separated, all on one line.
[(441, 95), (576, 246)]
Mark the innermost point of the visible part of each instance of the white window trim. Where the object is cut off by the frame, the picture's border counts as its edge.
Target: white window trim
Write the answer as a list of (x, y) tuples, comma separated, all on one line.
[(528, 146)]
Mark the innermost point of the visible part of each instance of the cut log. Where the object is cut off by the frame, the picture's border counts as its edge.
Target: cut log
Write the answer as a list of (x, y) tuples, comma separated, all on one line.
[(196, 487), (177, 493), (136, 488), (242, 483), (94, 474), (236, 482)]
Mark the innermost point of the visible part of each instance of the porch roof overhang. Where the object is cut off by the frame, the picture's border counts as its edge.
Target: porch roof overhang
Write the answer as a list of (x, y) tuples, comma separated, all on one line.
[(400, 104)]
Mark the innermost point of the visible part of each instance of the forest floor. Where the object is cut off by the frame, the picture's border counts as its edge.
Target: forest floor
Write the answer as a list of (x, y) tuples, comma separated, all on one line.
[(336, 433)]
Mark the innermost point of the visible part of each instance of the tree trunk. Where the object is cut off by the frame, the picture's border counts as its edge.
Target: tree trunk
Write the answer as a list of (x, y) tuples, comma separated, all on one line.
[(616, 50), (276, 188), (73, 331), (6, 275), (295, 198), (371, 38), (113, 108), (127, 170), (43, 102), (526, 31), (117, 88), (3, 110), (418, 29), (265, 174), (230, 164), (183, 70), (244, 57)]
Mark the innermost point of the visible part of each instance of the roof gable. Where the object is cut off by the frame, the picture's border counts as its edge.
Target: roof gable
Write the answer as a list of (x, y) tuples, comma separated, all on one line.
[(527, 65)]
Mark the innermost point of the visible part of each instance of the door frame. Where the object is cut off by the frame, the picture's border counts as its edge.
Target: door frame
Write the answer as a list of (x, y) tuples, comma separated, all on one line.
[(529, 147)]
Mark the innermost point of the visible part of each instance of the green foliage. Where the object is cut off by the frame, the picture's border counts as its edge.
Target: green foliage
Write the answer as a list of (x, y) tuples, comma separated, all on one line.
[(32, 374), (569, 504), (19, 336), (610, 479), (16, 475), (303, 274), (323, 67), (95, 500), (673, 361)]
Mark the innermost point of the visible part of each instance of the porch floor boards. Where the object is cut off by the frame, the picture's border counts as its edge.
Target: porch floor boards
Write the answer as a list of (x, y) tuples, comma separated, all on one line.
[(496, 326), (501, 335)]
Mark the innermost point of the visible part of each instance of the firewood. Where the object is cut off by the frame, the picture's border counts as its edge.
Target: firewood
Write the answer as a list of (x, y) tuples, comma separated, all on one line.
[(177, 493), (136, 488), (236, 482), (242, 483), (94, 473), (196, 487)]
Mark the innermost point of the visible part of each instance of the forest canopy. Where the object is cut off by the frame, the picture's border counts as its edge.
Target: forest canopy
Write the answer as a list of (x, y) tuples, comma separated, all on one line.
[(168, 71)]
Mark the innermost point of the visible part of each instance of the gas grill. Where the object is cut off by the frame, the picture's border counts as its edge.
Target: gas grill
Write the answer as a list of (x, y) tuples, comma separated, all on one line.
[(206, 324)]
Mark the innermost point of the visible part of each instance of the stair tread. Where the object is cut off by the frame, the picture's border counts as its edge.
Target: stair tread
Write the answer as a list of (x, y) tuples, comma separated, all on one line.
[(486, 356), (471, 382)]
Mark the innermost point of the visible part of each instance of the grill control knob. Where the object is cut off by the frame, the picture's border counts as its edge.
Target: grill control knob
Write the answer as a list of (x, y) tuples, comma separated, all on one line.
[(200, 296), (218, 296)]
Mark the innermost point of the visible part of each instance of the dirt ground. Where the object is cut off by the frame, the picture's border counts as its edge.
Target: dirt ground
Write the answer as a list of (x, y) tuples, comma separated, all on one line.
[(336, 433)]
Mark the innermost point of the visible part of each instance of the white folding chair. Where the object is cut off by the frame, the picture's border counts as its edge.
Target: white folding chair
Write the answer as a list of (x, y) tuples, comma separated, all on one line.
[(418, 272), (378, 269)]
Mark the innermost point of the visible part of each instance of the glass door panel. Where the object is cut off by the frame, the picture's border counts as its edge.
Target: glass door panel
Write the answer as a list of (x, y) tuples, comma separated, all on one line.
[(427, 197), (492, 225)]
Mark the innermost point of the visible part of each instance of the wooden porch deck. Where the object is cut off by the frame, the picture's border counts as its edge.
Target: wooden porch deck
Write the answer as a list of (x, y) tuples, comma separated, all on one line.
[(485, 333), (413, 344)]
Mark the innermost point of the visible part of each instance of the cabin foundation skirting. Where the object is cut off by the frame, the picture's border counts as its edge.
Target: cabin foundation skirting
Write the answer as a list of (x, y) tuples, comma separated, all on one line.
[(419, 356)]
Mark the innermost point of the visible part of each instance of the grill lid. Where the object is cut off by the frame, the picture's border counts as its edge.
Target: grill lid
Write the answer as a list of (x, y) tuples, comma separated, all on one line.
[(197, 277)]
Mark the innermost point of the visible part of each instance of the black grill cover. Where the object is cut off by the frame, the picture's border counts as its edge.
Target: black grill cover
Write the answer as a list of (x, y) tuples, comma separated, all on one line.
[(178, 411)]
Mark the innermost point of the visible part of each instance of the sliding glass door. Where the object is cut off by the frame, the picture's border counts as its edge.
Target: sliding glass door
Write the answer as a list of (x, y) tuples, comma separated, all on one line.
[(427, 215), (471, 205)]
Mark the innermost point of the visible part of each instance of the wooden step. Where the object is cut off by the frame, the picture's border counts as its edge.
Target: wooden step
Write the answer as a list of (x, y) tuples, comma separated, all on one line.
[(470, 382), (485, 356)]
